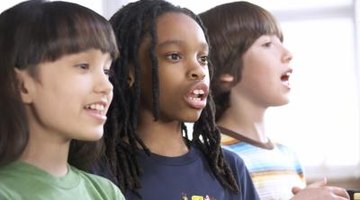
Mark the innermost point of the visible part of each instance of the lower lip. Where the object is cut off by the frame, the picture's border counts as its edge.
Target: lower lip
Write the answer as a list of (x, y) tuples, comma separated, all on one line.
[(287, 84), (95, 114), (195, 103)]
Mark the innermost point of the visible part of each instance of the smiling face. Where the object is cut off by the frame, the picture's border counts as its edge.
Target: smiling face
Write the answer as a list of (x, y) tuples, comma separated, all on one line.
[(266, 71), (69, 98), (182, 54)]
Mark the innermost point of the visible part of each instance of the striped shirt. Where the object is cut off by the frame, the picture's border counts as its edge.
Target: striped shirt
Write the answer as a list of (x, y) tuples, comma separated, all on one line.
[(274, 168)]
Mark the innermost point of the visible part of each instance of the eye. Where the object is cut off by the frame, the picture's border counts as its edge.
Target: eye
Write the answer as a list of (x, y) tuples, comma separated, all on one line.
[(204, 60), (108, 72), (173, 57), (83, 66), (267, 44)]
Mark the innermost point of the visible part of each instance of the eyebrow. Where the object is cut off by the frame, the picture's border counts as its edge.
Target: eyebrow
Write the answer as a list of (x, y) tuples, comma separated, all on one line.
[(179, 42)]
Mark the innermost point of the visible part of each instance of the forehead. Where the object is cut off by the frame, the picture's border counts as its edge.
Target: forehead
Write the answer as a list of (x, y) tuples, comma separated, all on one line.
[(174, 26)]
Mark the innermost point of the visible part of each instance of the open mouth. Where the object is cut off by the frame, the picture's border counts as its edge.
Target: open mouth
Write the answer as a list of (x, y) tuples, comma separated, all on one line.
[(285, 78), (197, 96), (96, 107)]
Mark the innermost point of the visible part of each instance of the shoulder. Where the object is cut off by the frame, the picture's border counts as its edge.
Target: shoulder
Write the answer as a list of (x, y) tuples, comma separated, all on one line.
[(281, 145), (241, 175), (233, 158), (92, 178), (99, 183), (11, 183), (285, 149), (236, 163), (7, 193)]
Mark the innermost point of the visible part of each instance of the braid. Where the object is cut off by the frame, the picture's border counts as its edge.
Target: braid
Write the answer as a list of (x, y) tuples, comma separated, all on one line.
[(206, 136), (121, 140), (154, 64), (122, 120)]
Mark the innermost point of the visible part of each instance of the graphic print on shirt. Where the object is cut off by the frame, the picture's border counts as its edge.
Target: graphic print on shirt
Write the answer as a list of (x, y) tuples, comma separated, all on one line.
[(196, 197)]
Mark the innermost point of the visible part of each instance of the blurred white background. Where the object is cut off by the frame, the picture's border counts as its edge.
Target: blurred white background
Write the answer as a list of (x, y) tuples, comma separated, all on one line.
[(322, 121)]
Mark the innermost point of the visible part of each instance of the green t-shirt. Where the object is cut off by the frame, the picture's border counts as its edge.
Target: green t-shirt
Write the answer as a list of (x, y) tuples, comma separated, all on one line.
[(21, 181)]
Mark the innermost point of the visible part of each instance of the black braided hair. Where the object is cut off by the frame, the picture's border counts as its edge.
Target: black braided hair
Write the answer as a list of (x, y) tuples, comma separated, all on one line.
[(132, 23)]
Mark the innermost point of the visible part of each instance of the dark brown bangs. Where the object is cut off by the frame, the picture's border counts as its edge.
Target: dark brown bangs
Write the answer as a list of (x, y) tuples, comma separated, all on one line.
[(265, 24), (58, 30), (78, 32)]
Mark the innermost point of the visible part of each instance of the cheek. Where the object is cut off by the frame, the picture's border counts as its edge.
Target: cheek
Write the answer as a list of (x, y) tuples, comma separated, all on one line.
[(146, 82), (111, 95), (207, 77), (167, 85), (257, 66), (254, 75), (146, 90), (145, 73)]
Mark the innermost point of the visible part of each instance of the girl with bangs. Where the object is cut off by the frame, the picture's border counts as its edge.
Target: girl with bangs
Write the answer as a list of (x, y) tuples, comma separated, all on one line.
[(54, 70), (251, 73)]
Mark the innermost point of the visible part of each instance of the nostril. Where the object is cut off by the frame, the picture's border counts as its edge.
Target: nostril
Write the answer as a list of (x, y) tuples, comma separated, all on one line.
[(194, 76)]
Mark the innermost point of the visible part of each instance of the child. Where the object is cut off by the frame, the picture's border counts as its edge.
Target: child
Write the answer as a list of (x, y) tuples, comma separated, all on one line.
[(251, 74), (55, 61), (163, 82)]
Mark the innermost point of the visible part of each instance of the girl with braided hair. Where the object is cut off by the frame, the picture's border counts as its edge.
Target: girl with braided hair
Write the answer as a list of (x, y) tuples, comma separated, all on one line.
[(161, 82)]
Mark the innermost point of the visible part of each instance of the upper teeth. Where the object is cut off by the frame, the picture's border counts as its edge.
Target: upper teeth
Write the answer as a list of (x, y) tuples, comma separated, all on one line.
[(198, 92), (98, 107)]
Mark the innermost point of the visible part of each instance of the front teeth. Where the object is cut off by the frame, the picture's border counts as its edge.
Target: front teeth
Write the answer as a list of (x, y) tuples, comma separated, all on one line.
[(195, 99), (198, 95), (197, 92), (98, 107)]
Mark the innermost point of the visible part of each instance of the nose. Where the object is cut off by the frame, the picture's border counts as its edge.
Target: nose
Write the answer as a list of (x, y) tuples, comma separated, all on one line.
[(197, 72), (103, 84), (287, 56), (197, 75)]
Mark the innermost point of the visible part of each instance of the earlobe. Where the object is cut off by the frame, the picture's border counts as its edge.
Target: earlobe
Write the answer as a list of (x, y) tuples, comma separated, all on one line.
[(226, 81), (25, 82), (226, 78), (131, 78)]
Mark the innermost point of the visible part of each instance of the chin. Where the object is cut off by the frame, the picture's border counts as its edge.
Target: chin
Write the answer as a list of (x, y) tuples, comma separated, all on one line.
[(285, 101), (281, 102), (192, 117), (98, 136), (93, 135)]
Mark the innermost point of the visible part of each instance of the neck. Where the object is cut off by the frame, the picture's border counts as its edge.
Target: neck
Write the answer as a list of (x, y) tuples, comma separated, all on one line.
[(246, 119), (48, 155), (162, 138)]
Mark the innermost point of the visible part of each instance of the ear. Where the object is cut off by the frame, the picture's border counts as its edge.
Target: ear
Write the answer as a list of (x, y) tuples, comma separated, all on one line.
[(226, 78), (25, 85), (131, 78), (226, 82)]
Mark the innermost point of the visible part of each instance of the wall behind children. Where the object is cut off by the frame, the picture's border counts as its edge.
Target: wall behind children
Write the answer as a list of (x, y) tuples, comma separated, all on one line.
[(322, 121)]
